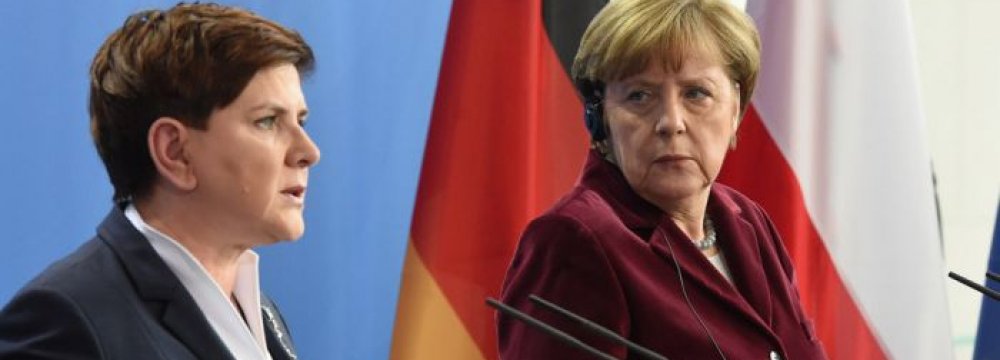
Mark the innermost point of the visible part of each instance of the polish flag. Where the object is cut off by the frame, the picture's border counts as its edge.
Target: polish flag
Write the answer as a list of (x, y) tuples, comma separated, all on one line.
[(834, 148)]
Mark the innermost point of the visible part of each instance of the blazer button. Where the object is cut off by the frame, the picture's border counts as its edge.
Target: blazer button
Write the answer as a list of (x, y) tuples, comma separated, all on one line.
[(775, 356)]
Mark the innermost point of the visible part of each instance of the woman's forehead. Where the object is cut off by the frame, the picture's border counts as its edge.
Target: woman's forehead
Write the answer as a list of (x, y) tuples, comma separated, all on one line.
[(675, 60)]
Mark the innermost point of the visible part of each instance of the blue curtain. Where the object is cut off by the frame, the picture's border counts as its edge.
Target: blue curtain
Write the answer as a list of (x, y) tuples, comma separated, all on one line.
[(370, 101)]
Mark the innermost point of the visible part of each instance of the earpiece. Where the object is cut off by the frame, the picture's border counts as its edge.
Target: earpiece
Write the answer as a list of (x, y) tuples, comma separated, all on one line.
[(593, 116), (593, 107)]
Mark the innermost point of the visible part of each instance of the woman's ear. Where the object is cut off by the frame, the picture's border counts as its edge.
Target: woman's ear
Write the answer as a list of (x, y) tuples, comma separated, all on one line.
[(167, 140), (736, 129)]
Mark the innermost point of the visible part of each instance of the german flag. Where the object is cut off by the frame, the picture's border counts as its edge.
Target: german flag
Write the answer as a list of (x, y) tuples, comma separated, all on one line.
[(506, 141)]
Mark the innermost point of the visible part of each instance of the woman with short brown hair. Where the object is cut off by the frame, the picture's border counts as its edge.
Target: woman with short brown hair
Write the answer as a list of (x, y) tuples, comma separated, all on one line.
[(197, 112)]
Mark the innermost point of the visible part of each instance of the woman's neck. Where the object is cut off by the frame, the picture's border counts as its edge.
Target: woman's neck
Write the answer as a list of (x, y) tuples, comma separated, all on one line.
[(211, 249), (688, 214)]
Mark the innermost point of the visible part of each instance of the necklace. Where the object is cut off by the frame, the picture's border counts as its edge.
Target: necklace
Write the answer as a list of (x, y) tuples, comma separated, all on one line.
[(709, 241)]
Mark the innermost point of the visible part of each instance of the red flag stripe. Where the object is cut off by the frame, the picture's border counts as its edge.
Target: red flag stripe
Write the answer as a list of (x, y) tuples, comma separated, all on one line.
[(758, 169), (505, 142)]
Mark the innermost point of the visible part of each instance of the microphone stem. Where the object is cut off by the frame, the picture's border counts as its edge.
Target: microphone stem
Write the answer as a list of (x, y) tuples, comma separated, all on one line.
[(548, 329), (986, 291)]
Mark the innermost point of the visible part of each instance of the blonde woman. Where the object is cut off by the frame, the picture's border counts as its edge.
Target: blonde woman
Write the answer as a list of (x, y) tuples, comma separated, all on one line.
[(647, 244)]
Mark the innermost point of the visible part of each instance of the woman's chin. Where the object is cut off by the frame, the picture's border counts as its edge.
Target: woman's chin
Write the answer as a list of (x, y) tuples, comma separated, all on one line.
[(285, 232), (673, 193)]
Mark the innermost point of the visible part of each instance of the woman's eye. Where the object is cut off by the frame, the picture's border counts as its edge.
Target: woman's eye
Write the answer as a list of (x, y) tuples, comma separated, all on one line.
[(266, 123), (696, 93), (638, 96)]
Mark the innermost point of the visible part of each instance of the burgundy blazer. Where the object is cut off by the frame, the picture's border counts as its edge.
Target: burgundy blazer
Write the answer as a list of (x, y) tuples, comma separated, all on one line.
[(606, 254)]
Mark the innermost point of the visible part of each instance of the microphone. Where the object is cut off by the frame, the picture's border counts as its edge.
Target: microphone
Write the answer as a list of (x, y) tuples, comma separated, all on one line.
[(569, 339), (982, 289), (597, 329), (548, 329), (992, 276)]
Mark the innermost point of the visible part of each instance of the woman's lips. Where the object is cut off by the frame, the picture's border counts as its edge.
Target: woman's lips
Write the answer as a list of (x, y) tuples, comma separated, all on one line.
[(673, 158), (296, 193)]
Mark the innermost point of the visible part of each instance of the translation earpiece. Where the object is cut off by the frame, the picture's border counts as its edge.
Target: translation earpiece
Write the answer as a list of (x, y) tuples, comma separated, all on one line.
[(593, 108)]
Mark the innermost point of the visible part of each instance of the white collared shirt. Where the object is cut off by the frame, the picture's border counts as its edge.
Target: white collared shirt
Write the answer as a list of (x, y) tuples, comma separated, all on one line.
[(245, 340)]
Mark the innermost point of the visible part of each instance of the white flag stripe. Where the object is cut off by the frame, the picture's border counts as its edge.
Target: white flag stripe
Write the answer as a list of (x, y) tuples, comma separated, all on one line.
[(838, 93)]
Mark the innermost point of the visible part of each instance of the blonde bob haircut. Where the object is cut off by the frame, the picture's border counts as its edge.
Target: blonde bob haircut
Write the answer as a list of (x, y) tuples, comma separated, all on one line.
[(627, 34)]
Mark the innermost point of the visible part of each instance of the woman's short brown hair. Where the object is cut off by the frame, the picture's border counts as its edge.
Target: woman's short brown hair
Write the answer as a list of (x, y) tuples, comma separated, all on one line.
[(627, 34), (182, 63)]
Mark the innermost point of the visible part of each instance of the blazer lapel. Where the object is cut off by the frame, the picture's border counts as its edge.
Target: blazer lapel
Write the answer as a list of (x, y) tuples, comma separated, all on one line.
[(157, 285), (745, 264), (192, 329), (700, 274), (279, 341)]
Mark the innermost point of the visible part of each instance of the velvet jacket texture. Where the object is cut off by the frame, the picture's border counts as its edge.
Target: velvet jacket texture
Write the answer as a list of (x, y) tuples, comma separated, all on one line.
[(115, 298), (606, 254)]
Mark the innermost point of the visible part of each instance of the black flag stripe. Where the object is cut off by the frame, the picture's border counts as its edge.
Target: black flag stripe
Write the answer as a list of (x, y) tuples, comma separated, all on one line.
[(565, 21)]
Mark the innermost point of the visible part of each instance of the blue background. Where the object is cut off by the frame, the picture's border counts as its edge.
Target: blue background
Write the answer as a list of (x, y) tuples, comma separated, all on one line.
[(370, 100)]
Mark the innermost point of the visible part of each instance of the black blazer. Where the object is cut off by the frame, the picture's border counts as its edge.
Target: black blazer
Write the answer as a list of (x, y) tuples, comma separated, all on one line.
[(115, 298)]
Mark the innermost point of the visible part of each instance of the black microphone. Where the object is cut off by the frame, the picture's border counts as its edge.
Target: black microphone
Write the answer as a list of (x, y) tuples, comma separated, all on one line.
[(587, 324), (992, 276), (548, 329), (597, 329), (985, 290)]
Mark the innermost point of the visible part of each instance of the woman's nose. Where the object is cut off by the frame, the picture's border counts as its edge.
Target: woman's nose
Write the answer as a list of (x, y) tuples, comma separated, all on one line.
[(670, 120), (304, 152)]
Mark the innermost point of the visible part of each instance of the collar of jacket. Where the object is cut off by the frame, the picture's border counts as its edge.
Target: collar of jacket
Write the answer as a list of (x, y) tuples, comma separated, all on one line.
[(161, 290)]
